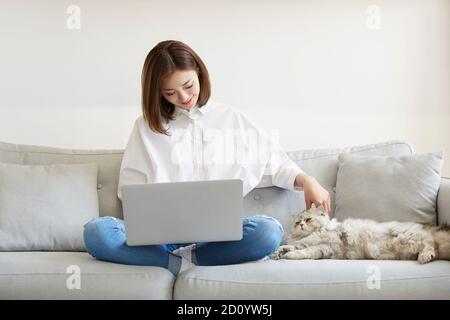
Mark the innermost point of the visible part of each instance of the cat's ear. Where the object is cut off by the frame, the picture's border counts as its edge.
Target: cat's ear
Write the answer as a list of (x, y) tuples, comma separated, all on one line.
[(325, 214), (322, 210)]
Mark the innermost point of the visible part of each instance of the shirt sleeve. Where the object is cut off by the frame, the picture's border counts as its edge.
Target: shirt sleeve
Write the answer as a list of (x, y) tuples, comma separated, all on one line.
[(278, 169), (136, 167), (283, 170)]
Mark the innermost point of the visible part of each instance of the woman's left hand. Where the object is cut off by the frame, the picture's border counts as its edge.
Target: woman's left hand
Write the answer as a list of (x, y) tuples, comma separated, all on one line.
[(314, 192)]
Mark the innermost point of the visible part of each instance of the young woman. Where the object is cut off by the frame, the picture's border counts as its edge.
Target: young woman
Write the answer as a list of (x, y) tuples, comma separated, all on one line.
[(183, 135)]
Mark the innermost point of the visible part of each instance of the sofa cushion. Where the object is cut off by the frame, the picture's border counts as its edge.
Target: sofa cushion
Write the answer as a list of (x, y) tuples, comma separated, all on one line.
[(108, 162), (76, 275), (443, 202), (386, 188), (44, 207), (317, 279)]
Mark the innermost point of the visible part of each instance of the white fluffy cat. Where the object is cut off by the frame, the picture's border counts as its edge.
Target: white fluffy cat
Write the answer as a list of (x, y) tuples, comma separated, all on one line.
[(314, 236)]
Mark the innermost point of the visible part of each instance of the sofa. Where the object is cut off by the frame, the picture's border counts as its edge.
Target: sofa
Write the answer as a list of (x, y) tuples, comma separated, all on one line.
[(45, 274)]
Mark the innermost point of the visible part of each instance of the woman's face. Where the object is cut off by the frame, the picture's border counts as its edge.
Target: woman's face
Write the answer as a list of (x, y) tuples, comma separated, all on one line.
[(181, 88)]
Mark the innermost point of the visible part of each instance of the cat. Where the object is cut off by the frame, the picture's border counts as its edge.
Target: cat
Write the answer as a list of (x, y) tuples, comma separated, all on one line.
[(314, 235)]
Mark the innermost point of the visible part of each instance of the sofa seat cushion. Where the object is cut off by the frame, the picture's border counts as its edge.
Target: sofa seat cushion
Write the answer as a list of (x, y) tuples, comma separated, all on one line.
[(49, 275), (317, 279)]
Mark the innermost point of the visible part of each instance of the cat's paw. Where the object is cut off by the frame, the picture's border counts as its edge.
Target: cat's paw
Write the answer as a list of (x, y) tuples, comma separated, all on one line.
[(275, 255), (294, 255), (281, 251), (426, 256)]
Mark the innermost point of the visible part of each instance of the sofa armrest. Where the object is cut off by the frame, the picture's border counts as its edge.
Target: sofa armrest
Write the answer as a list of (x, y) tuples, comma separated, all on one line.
[(443, 202)]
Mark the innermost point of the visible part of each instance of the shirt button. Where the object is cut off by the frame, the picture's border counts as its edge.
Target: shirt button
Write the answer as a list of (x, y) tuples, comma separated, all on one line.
[(257, 197)]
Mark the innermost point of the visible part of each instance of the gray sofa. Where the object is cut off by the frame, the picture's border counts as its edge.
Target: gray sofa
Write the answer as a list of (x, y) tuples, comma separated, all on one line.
[(44, 275)]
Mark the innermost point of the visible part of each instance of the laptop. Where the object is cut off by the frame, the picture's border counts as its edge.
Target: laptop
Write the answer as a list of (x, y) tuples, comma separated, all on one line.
[(183, 212)]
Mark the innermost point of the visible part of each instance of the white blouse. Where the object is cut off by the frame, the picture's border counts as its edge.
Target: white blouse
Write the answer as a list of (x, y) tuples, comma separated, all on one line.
[(216, 141)]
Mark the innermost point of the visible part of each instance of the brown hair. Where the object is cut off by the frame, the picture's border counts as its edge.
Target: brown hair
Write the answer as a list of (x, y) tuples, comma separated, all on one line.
[(165, 58)]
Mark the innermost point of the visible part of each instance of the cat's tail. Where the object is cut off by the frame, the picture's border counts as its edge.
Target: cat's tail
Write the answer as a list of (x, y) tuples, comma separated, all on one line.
[(442, 241)]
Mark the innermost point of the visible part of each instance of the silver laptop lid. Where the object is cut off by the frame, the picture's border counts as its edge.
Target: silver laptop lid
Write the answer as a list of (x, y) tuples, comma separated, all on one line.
[(183, 212)]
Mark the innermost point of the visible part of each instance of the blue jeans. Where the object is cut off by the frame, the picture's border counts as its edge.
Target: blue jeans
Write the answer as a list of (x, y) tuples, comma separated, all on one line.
[(104, 238)]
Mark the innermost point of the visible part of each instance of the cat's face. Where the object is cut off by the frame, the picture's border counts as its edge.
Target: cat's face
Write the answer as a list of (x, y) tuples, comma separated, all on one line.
[(308, 221)]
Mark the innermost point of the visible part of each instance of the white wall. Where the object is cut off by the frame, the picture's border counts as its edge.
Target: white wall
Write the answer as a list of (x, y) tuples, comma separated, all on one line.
[(319, 71)]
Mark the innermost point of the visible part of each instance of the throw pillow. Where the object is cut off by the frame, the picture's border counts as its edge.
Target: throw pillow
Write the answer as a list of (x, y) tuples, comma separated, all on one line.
[(386, 188), (44, 207)]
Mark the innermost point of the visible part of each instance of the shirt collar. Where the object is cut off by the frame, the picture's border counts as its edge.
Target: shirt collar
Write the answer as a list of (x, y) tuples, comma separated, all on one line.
[(194, 110)]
